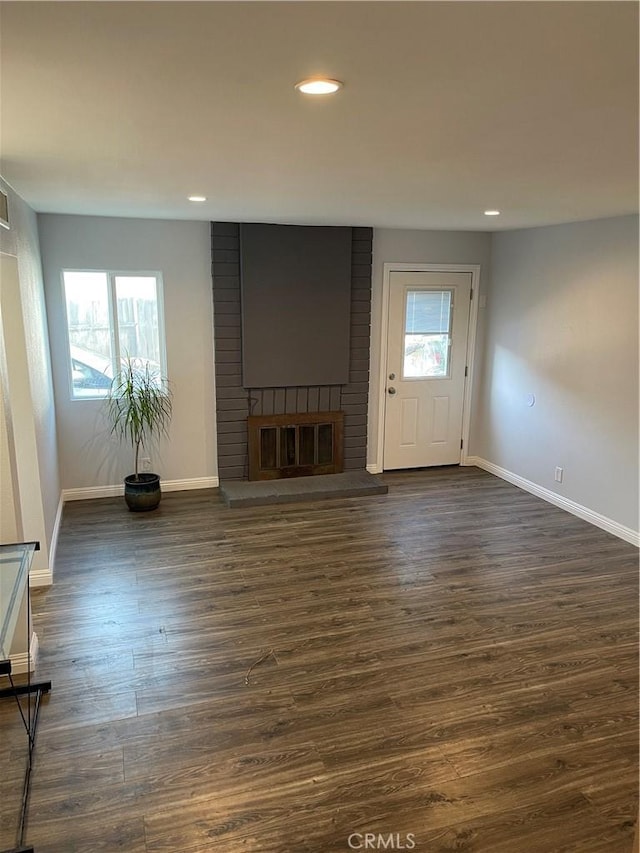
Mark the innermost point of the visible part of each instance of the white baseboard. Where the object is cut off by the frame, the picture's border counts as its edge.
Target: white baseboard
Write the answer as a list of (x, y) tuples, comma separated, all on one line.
[(374, 468), (56, 531), (44, 577), (22, 662), (87, 493), (188, 485), (90, 492), (40, 577), (595, 518)]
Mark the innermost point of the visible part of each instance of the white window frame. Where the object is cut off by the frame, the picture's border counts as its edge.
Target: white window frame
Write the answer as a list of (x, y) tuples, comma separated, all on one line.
[(113, 321)]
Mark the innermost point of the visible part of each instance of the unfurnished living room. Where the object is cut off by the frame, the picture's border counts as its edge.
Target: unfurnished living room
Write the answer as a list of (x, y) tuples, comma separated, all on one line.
[(319, 427)]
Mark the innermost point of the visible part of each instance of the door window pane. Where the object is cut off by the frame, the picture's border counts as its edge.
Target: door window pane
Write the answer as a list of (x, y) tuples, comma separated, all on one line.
[(427, 334)]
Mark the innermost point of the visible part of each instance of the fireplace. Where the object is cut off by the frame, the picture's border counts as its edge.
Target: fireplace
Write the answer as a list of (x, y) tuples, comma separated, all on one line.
[(297, 449), (295, 445)]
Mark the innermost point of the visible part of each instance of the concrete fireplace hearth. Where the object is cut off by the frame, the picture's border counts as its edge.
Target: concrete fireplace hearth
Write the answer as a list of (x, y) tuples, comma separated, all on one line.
[(350, 484)]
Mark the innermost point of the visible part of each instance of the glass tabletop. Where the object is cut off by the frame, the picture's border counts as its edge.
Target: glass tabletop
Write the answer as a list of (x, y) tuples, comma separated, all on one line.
[(15, 561)]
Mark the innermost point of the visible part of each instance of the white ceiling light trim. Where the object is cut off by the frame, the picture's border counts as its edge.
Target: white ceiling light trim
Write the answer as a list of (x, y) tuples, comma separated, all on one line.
[(197, 198), (492, 213), (319, 86)]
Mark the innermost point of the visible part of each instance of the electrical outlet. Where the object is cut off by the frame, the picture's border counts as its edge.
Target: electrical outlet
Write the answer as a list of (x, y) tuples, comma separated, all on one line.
[(145, 463), (559, 473)]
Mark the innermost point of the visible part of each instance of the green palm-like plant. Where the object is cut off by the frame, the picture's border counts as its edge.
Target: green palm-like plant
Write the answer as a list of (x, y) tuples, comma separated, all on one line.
[(139, 406)]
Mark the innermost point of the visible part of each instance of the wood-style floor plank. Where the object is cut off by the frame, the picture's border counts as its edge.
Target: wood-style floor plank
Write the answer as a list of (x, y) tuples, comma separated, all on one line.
[(456, 660)]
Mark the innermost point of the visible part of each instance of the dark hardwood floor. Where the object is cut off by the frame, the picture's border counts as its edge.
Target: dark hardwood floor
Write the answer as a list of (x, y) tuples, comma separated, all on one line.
[(454, 665)]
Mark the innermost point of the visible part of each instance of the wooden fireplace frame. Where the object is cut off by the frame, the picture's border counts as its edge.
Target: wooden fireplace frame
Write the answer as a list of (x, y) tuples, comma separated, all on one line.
[(295, 420)]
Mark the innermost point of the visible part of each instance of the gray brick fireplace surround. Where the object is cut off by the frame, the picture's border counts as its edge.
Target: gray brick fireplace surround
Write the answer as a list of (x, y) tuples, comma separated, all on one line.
[(234, 403)]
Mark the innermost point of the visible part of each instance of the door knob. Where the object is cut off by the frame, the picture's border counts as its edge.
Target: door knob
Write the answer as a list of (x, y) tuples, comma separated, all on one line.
[(391, 390)]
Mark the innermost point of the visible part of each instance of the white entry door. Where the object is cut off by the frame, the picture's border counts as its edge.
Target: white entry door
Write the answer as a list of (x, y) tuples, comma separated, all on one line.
[(426, 366)]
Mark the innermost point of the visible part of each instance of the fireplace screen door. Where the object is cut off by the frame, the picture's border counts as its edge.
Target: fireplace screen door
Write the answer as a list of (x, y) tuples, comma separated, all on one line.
[(295, 445)]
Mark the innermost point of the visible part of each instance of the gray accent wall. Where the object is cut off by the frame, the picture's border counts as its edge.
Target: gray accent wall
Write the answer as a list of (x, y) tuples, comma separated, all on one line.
[(235, 403)]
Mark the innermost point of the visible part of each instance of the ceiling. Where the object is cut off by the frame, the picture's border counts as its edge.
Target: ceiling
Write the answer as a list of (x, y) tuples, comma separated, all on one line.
[(448, 108)]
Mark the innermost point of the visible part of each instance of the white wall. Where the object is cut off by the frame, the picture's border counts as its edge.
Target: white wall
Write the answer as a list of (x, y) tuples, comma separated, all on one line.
[(10, 518), (89, 457), (29, 366), (563, 325), (422, 247)]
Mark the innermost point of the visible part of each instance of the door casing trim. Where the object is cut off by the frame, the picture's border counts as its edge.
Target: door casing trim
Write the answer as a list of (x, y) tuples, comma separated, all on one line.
[(388, 268)]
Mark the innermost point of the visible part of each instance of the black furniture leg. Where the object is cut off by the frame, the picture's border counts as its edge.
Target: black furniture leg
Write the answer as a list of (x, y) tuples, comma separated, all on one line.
[(36, 689)]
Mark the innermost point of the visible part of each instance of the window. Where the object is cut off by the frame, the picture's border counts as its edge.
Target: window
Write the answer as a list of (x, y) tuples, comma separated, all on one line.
[(110, 317), (427, 334)]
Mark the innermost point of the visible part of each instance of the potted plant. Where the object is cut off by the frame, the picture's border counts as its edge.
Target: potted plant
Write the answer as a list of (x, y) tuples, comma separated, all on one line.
[(139, 410)]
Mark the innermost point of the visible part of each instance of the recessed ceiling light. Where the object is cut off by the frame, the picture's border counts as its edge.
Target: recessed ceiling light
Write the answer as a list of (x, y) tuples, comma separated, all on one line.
[(492, 213), (318, 86), (197, 198)]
